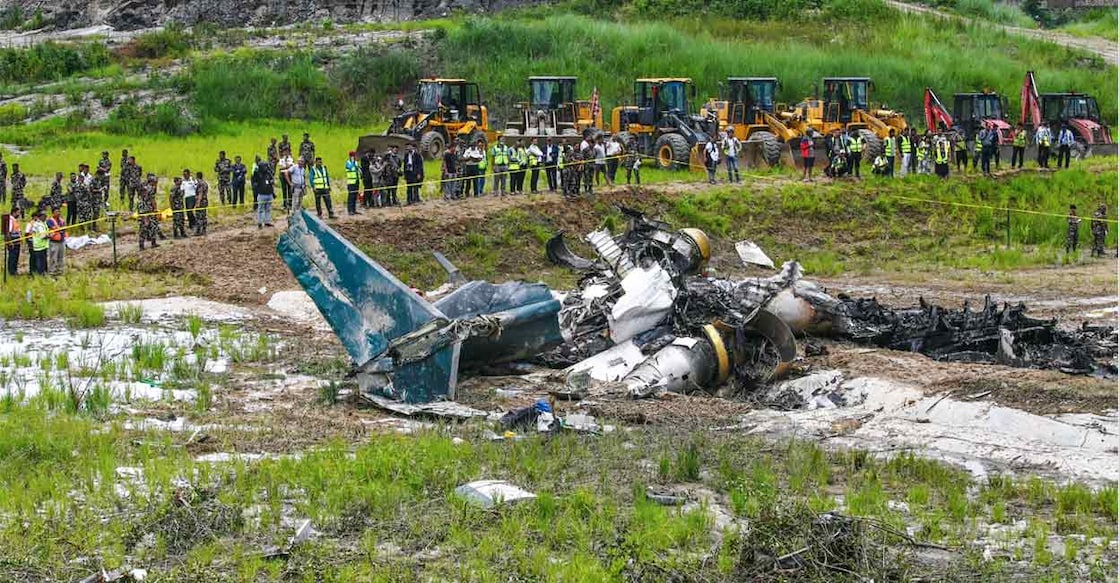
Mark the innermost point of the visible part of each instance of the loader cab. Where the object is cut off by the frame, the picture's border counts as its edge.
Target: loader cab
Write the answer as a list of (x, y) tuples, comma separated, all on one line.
[(656, 98), (455, 98), (550, 93), (1065, 106), (845, 95), (977, 106), (748, 95)]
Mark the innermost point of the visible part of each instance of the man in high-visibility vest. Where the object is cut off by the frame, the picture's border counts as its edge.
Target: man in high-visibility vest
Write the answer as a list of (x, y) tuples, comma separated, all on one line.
[(320, 184), (906, 147), (1018, 143), (56, 232), (37, 231), (516, 165), (500, 153), (940, 156), (890, 148), (535, 157), (855, 148), (961, 151), (353, 181), (483, 165)]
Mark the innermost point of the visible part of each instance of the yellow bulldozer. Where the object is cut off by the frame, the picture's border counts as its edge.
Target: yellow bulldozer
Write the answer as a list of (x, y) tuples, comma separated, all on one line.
[(660, 124), (845, 105), (554, 111), (748, 106), (444, 110)]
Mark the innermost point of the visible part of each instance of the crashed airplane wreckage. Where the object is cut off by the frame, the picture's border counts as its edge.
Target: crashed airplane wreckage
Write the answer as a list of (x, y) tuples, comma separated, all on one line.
[(644, 317)]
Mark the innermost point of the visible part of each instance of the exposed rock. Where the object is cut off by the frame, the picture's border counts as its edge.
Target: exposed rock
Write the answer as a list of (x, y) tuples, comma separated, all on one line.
[(136, 14)]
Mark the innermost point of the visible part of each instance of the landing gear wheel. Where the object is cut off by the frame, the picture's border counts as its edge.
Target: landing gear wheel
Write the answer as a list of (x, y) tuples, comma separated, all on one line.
[(672, 152), (431, 145)]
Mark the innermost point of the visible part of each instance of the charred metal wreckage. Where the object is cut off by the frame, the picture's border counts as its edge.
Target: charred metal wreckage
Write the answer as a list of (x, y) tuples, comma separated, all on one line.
[(644, 317)]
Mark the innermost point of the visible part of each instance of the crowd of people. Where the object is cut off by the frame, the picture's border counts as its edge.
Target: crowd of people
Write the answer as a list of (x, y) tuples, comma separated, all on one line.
[(911, 152), (373, 179)]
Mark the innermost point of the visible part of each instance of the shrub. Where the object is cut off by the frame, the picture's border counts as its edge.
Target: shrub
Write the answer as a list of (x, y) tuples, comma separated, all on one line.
[(50, 61), (131, 119), (172, 42)]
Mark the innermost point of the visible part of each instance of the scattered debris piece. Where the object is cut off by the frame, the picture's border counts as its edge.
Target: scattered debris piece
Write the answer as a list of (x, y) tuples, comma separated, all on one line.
[(664, 499), (440, 409), (121, 575), (490, 493)]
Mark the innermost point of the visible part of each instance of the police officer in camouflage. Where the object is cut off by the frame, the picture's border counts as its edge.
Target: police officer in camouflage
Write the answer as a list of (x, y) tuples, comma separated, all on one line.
[(1099, 230), (1072, 237), (307, 150), (224, 170)]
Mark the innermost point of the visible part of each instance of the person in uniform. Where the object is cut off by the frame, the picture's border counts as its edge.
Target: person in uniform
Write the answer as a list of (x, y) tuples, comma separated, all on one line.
[(285, 146), (202, 204), (390, 177), (1099, 230), (178, 208), (147, 209), (123, 178), (307, 150), (135, 181), (273, 153), (367, 179), (19, 183), (3, 179), (239, 173), (413, 173), (223, 168), (72, 199), (54, 198), (1072, 237)]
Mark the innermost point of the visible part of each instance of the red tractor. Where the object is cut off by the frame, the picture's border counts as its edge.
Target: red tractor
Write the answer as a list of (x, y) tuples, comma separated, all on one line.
[(1078, 110), (970, 112)]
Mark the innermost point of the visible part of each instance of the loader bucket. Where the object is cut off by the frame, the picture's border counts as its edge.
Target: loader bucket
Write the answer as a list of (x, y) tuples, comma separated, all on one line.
[(381, 142)]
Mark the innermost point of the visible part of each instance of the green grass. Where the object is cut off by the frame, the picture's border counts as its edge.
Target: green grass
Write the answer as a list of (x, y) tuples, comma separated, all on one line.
[(383, 504), (1101, 22), (609, 55), (73, 295)]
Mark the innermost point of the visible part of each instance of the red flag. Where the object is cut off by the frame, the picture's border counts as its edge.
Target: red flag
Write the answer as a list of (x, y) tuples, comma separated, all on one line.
[(594, 103)]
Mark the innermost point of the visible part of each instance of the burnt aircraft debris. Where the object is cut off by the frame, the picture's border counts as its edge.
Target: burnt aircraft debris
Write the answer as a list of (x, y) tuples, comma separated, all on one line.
[(644, 318)]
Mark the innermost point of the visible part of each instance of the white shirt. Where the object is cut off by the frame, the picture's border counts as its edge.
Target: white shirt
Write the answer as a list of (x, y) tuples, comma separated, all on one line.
[(613, 148), (584, 146), (190, 188), (731, 145), (712, 151), (599, 154), (473, 155), (534, 150), (285, 163)]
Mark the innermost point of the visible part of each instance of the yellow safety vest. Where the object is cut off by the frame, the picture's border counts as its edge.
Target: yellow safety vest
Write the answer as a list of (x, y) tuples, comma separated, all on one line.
[(1020, 139), (961, 145), (484, 162), (888, 147), (351, 172), (39, 237), (906, 145), (320, 178), (500, 155), (942, 153), (533, 159), (559, 160), (922, 152), (856, 145)]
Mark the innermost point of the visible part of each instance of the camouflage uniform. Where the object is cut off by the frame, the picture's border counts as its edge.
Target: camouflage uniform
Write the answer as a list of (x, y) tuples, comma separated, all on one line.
[(106, 166), (19, 183), (54, 199), (124, 177), (273, 154), (1099, 231), (85, 195), (307, 152), (135, 183), (200, 206), (377, 169), (178, 218), (100, 196), (390, 178), (285, 148), (3, 180), (1072, 237), (572, 171), (149, 221), (224, 169), (72, 201)]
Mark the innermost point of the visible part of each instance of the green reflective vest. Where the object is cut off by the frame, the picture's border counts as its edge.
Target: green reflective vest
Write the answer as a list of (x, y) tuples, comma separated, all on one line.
[(1020, 139), (856, 145), (889, 147), (483, 163), (500, 155), (906, 145), (559, 160), (922, 152), (942, 152), (39, 236), (352, 172), (961, 145), (320, 178)]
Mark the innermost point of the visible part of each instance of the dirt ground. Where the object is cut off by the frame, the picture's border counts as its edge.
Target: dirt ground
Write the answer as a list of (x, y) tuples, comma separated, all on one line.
[(238, 264)]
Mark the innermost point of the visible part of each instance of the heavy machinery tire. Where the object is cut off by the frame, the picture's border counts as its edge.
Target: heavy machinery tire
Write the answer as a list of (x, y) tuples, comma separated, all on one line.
[(1080, 150), (478, 135), (872, 145), (626, 139), (431, 145), (672, 152), (770, 148)]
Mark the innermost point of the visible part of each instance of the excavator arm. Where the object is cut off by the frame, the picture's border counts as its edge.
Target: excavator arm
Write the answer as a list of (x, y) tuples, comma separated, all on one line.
[(1031, 103), (935, 112)]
